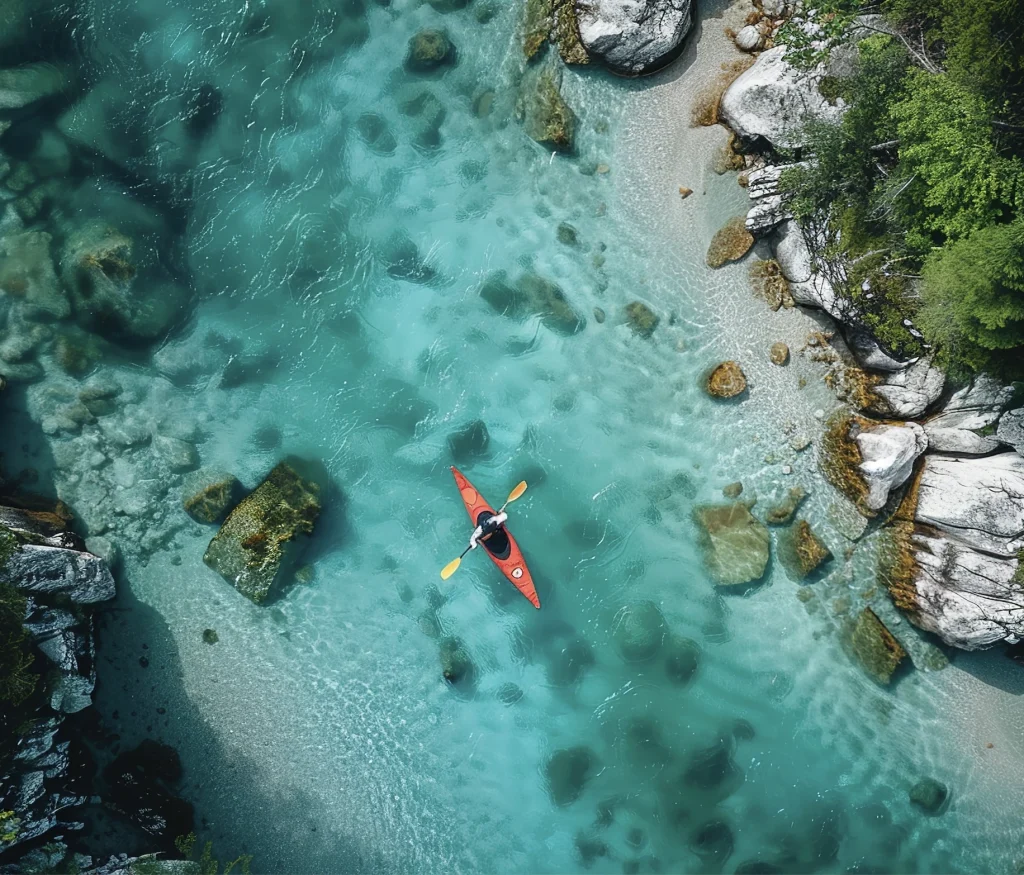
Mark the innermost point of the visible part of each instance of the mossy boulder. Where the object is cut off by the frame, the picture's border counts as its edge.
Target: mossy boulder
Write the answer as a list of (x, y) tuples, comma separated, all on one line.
[(547, 118), (259, 537), (726, 380), (429, 50), (736, 544), (641, 318), (802, 552), (875, 647), (208, 499), (730, 243)]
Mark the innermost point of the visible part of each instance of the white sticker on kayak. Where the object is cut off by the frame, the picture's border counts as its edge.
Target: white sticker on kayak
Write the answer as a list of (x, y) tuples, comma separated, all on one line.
[(517, 573)]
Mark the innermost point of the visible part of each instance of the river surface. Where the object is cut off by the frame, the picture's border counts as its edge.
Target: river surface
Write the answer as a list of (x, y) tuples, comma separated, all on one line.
[(338, 222)]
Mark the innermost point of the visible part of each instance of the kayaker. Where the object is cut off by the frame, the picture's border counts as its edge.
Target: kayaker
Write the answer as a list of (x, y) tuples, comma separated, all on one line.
[(487, 528)]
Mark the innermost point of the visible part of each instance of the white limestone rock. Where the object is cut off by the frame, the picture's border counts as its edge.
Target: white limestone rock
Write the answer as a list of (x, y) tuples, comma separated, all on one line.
[(633, 37), (975, 407), (888, 453), (977, 501), (774, 101), (1011, 429), (806, 283), (907, 394), (82, 577)]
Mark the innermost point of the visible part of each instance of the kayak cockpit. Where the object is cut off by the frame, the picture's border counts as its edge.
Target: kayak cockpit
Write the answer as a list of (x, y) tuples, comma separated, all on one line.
[(498, 544)]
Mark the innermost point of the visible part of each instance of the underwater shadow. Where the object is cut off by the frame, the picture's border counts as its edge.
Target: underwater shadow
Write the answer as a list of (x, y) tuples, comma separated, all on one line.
[(993, 669)]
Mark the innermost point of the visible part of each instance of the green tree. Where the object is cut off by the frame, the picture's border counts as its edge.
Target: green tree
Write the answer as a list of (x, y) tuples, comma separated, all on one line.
[(973, 298), (951, 179)]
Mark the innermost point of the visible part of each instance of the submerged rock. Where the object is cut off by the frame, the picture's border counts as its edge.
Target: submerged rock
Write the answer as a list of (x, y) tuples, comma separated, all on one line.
[(27, 274), (929, 795), (641, 318), (682, 660), (730, 243), (801, 552), (875, 646), (780, 514), (429, 50), (547, 118), (470, 442), (727, 380), (639, 631), (138, 781), (249, 550), (633, 37), (779, 354), (456, 666), (546, 298), (712, 768), (712, 842), (20, 86), (736, 545), (210, 501), (567, 772)]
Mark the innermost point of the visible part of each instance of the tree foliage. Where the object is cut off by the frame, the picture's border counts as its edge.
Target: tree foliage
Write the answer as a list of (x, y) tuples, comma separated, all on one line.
[(973, 296), (920, 187)]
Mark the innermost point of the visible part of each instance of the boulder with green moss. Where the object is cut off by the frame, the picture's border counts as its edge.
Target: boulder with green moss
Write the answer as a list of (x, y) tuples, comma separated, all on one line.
[(875, 647), (260, 535)]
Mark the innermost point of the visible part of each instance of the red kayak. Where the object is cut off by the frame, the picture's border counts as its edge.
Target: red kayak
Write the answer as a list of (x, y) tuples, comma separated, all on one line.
[(501, 546)]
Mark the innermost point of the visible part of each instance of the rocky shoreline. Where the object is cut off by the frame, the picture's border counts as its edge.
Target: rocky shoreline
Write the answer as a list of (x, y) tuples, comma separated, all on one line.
[(939, 464)]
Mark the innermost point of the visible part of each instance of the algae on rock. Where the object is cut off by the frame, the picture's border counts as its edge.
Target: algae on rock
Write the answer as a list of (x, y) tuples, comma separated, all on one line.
[(876, 647), (546, 116), (249, 549), (802, 552), (730, 243)]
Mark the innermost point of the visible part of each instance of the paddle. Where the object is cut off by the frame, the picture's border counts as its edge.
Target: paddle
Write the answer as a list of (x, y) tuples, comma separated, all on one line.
[(453, 566)]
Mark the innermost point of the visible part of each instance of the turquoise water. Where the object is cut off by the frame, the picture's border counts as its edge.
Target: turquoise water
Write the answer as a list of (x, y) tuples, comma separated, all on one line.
[(337, 224)]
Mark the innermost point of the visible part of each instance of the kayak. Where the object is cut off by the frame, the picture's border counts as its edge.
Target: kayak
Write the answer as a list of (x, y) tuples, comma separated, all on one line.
[(501, 546)]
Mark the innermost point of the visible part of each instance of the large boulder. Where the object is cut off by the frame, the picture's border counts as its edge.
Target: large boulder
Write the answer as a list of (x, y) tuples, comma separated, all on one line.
[(888, 453), (731, 242), (55, 571), (956, 568), (807, 283), (980, 501), (775, 101), (908, 393), (251, 548), (633, 37), (429, 50), (973, 409), (736, 545)]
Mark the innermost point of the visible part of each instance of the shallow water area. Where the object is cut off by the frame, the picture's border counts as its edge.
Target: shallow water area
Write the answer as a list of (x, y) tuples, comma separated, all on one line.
[(342, 216)]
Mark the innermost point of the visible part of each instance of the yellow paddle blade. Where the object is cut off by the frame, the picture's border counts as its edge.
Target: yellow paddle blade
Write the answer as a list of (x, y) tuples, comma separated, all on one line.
[(517, 492), (450, 568)]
